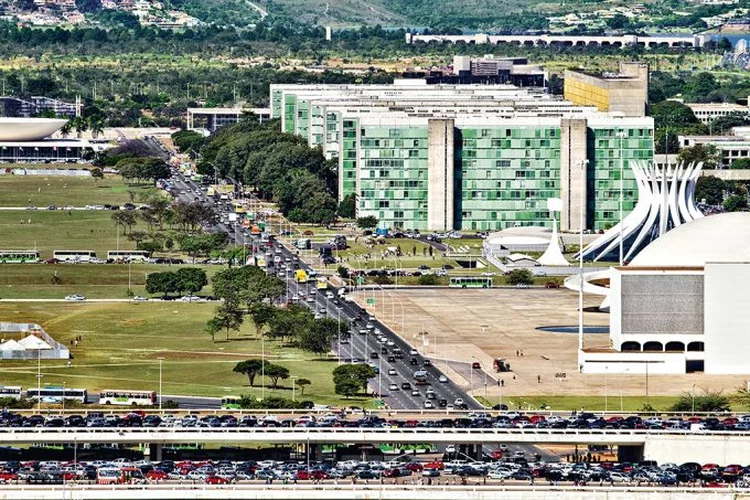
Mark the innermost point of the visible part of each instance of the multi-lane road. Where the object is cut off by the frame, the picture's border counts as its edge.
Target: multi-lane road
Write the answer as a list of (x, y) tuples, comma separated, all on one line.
[(359, 346)]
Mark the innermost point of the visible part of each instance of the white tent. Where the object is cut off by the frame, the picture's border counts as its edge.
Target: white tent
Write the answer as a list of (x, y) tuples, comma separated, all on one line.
[(32, 342), (553, 256), (11, 345)]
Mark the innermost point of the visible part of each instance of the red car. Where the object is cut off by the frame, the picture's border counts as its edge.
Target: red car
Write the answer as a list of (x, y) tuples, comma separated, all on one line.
[(497, 454), (414, 466), (437, 465), (217, 480), (6, 476), (156, 475)]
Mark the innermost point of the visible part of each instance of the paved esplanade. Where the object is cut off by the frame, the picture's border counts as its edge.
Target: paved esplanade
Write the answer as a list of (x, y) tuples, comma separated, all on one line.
[(356, 492)]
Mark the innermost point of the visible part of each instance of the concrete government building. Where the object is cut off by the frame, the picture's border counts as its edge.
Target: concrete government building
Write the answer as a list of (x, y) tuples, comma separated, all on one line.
[(681, 304), (469, 157)]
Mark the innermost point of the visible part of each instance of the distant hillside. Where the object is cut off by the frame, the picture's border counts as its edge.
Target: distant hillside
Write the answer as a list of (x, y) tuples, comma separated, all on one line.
[(435, 13)]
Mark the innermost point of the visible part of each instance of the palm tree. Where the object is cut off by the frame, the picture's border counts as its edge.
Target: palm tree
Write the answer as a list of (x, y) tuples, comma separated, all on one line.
[(79, 124), (96, 125), (65, 129)]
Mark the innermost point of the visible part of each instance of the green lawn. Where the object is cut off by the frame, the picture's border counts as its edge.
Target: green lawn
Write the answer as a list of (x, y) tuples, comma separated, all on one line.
[(47, 231), (123, 341), (41, 191), (591, 403), (94, 281)]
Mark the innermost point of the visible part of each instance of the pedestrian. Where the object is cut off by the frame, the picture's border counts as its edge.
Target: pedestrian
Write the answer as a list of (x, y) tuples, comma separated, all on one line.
[(538, 379), (518, 353), (502, 382)]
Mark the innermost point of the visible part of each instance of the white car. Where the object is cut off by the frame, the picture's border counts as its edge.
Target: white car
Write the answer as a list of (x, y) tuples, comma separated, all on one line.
[(75, 297), (189, 298), (392, 372), (428, 405), (138, 298)]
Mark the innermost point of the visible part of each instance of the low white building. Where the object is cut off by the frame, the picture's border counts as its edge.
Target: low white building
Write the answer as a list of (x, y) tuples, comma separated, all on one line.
[(681, 304)]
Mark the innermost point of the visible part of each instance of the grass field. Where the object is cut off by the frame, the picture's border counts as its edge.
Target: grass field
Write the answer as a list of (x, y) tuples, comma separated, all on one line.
[(123, 341), (629, 404), (47, 231), (93, 281), (42, 191)]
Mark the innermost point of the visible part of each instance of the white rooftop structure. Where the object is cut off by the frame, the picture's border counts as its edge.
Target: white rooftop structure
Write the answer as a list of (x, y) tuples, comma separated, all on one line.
[(11, 345), (34, 342), (28, 129), (553, 256), (718, 238)]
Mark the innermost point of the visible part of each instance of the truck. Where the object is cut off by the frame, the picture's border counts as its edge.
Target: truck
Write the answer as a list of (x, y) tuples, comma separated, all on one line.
[(300, 275), (303, 244), (501, 365), (322, 283)]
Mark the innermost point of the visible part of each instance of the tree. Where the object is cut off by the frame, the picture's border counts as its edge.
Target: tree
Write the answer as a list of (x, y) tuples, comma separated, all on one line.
[(346, 388), (276, 372), (618, 22), (343, 272), (711, 189), (97, 174), (428, 280), (213, 326), (740, 164), (302, 383), (368, 222), (348, 206), (124, 218), (86, 6), (191, 279), (520, 277), (706, 153), (228, 318), (261, 314), (317, 338), (251, 368), (358, 373), (735, 203), (706, 402), (163, 283)]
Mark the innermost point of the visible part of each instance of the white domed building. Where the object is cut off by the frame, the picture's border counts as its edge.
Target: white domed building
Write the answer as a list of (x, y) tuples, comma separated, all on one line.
[(31, 140), (681, 305)]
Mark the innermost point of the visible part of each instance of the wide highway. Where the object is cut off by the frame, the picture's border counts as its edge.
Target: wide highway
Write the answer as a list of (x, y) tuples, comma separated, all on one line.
[(360, 346)]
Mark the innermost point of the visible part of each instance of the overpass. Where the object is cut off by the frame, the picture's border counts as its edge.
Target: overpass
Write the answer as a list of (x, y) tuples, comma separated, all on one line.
[(356, 492), (723, 447), (545, 40)]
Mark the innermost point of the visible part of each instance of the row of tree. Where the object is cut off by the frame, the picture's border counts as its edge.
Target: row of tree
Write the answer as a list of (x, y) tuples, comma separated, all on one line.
[(186, 279), (278, 166)]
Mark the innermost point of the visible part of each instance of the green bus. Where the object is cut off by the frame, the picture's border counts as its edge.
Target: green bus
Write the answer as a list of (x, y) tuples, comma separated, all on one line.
[(18, 256), (231, 403), (470, 282)]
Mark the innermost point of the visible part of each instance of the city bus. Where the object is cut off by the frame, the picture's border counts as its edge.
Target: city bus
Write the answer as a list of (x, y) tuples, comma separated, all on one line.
[(470, 282), (74, 255), (127, 255), (303, 244), (18, 256), (56, 393), (10, 391), (231, 403), (128, 398), (322, 283), (300, 275)]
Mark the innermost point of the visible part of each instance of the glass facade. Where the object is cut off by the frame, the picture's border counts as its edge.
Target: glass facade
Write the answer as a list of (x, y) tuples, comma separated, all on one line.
[(506, 176), (393, 175), (610, 151)]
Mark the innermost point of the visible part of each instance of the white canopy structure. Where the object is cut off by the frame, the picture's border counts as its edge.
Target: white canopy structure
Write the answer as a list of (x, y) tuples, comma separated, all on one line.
[(32, 342), (11, 345), (666, 200), (553, 256)]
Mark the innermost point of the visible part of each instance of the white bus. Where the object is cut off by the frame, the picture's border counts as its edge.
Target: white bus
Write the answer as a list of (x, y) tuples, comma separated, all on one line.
[(10, 391), (56, 394), (127, 255), (74, 255), (128, 398), (18, 256)]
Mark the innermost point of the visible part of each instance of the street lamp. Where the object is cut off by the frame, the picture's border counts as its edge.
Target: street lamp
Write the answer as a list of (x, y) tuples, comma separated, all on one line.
[(63, 398), (294, 390), (39, 379), (583, 165)]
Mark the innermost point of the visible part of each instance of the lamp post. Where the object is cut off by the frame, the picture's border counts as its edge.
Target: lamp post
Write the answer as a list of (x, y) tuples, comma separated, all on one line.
[(294, 390), (39, 379), (263, 365), (160, 379), (606, 395), (583, 165), (621, 135)]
